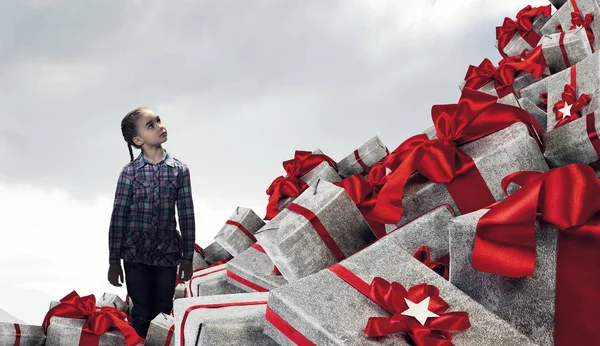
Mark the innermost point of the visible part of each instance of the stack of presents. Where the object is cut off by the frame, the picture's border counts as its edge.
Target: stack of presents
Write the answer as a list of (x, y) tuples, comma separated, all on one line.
[(478, 231)]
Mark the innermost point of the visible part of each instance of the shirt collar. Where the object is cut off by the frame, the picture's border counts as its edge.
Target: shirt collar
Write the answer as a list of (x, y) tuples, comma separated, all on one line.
[(141, 161)]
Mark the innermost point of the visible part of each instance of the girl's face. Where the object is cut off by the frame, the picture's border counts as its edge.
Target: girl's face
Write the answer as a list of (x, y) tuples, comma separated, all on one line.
[(150, 130)]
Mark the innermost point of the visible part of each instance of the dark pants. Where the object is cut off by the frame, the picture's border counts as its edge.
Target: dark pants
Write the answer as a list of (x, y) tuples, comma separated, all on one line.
[(151, 289)]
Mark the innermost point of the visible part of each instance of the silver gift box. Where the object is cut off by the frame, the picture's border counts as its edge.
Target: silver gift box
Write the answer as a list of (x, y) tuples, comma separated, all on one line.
[(370, 153), (255, 266), (227, 325), (570, 143), (575, 44), (296, 248), (563, 17), (30, 335), (509, 150), (539, 114), (160, 330), (215, 253), (180, 291), (64, 331), (323, 172), (212, 284), (199, 262), (532, 92), (231, 238), (112, 300), (517, 44), (328, 311), (526, 303)]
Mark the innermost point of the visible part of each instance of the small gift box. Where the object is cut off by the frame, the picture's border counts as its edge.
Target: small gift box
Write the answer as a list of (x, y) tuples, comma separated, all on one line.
[(353, 303), (113, 300), (320, 228), (161, 331), (515, 36), (210, 281), (253, 271), (238, 232), (180, 291), (235, 319), (539, 114), (561, 50), (576, 14), (21, 334), (215, 253), (536, 276), (199, 262), (361, 160)]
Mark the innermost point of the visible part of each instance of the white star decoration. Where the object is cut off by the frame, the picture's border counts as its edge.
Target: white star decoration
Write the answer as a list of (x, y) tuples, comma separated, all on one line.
[(387, 171), (566, 110), (419, 311)]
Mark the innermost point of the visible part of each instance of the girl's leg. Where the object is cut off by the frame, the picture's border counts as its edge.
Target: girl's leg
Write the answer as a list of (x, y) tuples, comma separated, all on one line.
[(163, 284), (138, 281)]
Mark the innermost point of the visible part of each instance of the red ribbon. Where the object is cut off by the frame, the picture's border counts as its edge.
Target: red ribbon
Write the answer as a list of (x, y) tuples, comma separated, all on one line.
[(243, 229), (198, 249), (439, 266), (569, 97), (561, 44), (391, 297), (363, 192), (585, 22), (17, 334), (260, 248), (360, 162), (475, 116), (590, 124), (522, 26), (170, 335), (286, 329), (505, 242), (202, 273), (99, 320), (291, 186), (246, 282)]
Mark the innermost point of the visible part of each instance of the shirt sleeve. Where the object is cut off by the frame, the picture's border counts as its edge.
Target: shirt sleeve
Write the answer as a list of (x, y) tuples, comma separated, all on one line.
[(120, 213), (185, 210)]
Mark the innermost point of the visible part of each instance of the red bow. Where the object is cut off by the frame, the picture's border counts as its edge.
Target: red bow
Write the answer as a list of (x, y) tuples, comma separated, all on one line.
[(586, 23), (391, 297), (292, 186), (505, 242), (439, 266), (523, 25), (98, 320), (364, 192), (569, 97), (475, 116)]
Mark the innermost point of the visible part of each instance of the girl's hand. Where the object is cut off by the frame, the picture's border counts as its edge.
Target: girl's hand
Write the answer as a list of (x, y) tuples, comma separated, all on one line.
[(115, 275)]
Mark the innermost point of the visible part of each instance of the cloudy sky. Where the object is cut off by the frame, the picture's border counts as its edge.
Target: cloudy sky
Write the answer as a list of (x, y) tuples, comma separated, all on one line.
[(239, 84)]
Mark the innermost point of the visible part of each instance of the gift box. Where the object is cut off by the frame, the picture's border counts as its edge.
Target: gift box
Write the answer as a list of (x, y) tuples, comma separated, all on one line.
[(161, 331), (335, 305), (537, 93), (509, 99), (253, 271), (21, 334), (235, 319), (211, 281), (180, 291), (215, 253), (199, 262), (536, 276), (238, 232), (491, 156), (539, 114), (561, 50), (513, 37), (113, 300), (574, 14), (324, 171), (362, 158), (320, 228)]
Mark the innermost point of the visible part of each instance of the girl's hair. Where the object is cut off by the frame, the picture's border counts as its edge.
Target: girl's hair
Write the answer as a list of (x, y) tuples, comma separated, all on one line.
[(128, 128)]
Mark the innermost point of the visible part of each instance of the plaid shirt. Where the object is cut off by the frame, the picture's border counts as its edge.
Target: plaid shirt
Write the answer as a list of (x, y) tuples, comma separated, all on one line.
[(142, 226)]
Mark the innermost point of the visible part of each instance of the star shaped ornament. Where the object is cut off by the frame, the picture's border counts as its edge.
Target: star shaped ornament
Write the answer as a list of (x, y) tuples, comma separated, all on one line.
[(419, 311), (566, 110)]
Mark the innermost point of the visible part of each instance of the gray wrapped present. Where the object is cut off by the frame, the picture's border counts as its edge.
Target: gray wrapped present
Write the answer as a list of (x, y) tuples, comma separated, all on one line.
[(161, 331), (253, 271), (112, 300), (538, 113), (575, 44), (215, 253), (199, 261), (562, 19), (67, 331), (180, 291), (517, 44), (21, 334), (235, 319), (324, 309), (535, 92), (362, 158), (337, 229), (211, 281), (238, 232), (323, 171)]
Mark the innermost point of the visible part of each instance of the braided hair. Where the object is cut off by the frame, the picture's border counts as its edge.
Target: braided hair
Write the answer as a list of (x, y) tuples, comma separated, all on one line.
[(128, 128)]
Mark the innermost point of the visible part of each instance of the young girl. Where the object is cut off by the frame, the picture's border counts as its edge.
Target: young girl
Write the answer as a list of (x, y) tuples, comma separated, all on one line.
[(143, 228)]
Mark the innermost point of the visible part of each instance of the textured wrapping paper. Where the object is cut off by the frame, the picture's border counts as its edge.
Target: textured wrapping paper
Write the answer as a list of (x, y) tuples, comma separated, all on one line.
[(67, 331), (563, 18), (534, 91), (323, 172), (517, 44), (521, 81), (199, 261), (255, 269), (212, 284), (295, 246), (232, 238), (215, 253), (369, 153), (575, 43), (29, 335), (328, 311), (112, 300), (162, 327), (225, 325), (539, 114), (180, 291), (509, 150), (570, 143), (526, 303)]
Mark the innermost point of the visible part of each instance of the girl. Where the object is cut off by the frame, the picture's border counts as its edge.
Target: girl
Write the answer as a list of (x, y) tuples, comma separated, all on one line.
[(143, 229)]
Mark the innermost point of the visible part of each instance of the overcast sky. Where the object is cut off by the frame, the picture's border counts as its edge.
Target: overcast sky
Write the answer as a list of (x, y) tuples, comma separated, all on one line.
[(239, 84)]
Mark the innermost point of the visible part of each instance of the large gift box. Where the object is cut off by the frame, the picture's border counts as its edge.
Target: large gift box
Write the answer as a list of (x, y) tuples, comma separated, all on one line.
[(199, 262), (21, 334), (215, 253), (561, 50), (320, 228), (539, 277), (235, 319), (363, 158), (515, 36), (575, 14), (253, 271), (461, 160), (161, 331), (211, 281), (352, 303), (238, 232), (111, 299)]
